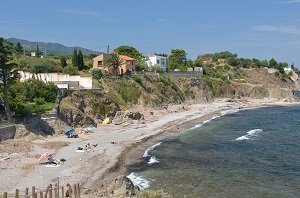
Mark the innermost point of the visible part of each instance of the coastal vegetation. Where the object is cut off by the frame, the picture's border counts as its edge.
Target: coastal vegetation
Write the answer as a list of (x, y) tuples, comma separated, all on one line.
[(224, 75), (32, 96)]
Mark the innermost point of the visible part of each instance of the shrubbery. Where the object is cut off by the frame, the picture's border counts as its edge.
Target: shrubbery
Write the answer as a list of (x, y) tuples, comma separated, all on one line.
[(96, 73), (32, 96), (70, 70), (137, 80)]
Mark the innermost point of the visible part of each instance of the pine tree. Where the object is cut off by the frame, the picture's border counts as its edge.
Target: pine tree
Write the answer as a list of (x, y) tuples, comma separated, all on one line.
[(75, 58), (63, 61), (80, 60), (8, 73), (19, 48)]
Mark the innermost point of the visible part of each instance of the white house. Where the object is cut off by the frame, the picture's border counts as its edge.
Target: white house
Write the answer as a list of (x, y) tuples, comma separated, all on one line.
[(287, 69), (63, 81), (156, 60)]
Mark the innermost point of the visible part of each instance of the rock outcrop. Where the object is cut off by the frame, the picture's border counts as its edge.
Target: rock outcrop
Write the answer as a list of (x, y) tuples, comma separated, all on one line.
[(127, 117), (86, 108)]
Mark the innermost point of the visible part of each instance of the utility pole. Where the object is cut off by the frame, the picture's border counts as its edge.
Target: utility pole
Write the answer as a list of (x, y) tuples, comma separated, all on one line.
[(108, 49)]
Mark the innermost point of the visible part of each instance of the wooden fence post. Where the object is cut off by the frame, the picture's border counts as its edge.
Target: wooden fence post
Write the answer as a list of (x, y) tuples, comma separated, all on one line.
[(105, 188), (70, 191), (56, 192), (41, 194), (17, 193), (50, 191), (62, 192), (75, 191), (46, 192), (33, 191), (78, 189), (27, 192), (5, 195)]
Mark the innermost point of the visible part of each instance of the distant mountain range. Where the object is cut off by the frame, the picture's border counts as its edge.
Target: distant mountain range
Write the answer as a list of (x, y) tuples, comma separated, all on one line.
[(50, 48)]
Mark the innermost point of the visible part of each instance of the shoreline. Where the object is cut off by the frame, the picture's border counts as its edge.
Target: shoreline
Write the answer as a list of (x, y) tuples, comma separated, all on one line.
[(132, 155), (119, 146)]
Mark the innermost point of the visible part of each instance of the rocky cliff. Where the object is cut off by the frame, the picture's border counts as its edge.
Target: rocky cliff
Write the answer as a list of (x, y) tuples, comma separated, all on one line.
[(115, 98), (90, 107)]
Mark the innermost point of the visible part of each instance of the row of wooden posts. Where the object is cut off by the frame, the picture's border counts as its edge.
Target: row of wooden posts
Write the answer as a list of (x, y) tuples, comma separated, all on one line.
[(50, 192)]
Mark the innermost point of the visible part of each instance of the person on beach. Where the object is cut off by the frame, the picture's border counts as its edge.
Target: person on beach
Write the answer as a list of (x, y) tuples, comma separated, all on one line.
[(50, 159), (88, 148)]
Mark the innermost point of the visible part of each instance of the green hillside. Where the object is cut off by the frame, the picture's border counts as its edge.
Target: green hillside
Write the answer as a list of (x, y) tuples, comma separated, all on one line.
[(51, 48)]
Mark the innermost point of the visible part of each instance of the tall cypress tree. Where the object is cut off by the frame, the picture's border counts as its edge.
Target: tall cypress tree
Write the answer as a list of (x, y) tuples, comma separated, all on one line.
[(37, 51), (80, 60), (19, 48), (63, 61), (75, 58)]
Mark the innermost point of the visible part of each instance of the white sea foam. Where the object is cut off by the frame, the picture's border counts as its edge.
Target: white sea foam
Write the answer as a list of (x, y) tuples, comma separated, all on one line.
[(222, 113), (206, 121), (153, 160), (226, 112), (250, 135), (146, 154), (139, 181)]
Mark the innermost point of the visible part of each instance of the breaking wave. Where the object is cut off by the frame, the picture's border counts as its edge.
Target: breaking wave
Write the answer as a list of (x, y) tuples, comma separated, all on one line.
[(251, 135), (146, 154), (153, 160), (139, 181)]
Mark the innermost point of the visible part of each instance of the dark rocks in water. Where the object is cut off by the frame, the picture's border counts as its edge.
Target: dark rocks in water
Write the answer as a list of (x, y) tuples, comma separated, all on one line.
[(122, 186)]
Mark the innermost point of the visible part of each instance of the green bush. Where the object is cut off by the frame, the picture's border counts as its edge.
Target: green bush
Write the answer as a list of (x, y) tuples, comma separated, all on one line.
[(96, 74), (137, 80), (39, 101), (129, 91), (128, 73), (40, 108), (32, 96), (70, 70), (42, 67), (37, 65)]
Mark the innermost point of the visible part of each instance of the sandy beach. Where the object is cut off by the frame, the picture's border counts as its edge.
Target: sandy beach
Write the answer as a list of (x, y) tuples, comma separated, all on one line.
[(19, 166)]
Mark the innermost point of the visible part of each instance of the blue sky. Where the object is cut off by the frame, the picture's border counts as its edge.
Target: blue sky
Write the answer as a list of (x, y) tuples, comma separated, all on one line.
[(254, 28)]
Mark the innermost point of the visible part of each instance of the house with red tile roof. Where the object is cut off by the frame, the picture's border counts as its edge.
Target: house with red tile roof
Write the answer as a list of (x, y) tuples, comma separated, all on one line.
[(128, 64)]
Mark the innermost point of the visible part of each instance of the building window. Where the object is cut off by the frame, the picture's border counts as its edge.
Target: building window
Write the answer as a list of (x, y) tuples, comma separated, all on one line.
[(129, 62), (163, 62), (100, 63), (157, 61)]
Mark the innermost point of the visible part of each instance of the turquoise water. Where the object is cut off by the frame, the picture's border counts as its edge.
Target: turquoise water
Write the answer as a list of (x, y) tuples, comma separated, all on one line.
[(251, 153)]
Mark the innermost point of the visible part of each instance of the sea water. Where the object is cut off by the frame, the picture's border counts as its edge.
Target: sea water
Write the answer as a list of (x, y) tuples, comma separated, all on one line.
[(249, 153)]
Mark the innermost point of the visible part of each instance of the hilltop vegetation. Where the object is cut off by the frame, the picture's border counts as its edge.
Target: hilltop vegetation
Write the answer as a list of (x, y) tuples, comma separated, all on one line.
[(50, 48), (230, 59)]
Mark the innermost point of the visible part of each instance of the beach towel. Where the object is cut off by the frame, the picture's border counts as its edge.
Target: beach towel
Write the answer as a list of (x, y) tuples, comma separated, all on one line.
[(69, 131), (52, 165), (105, 121)]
